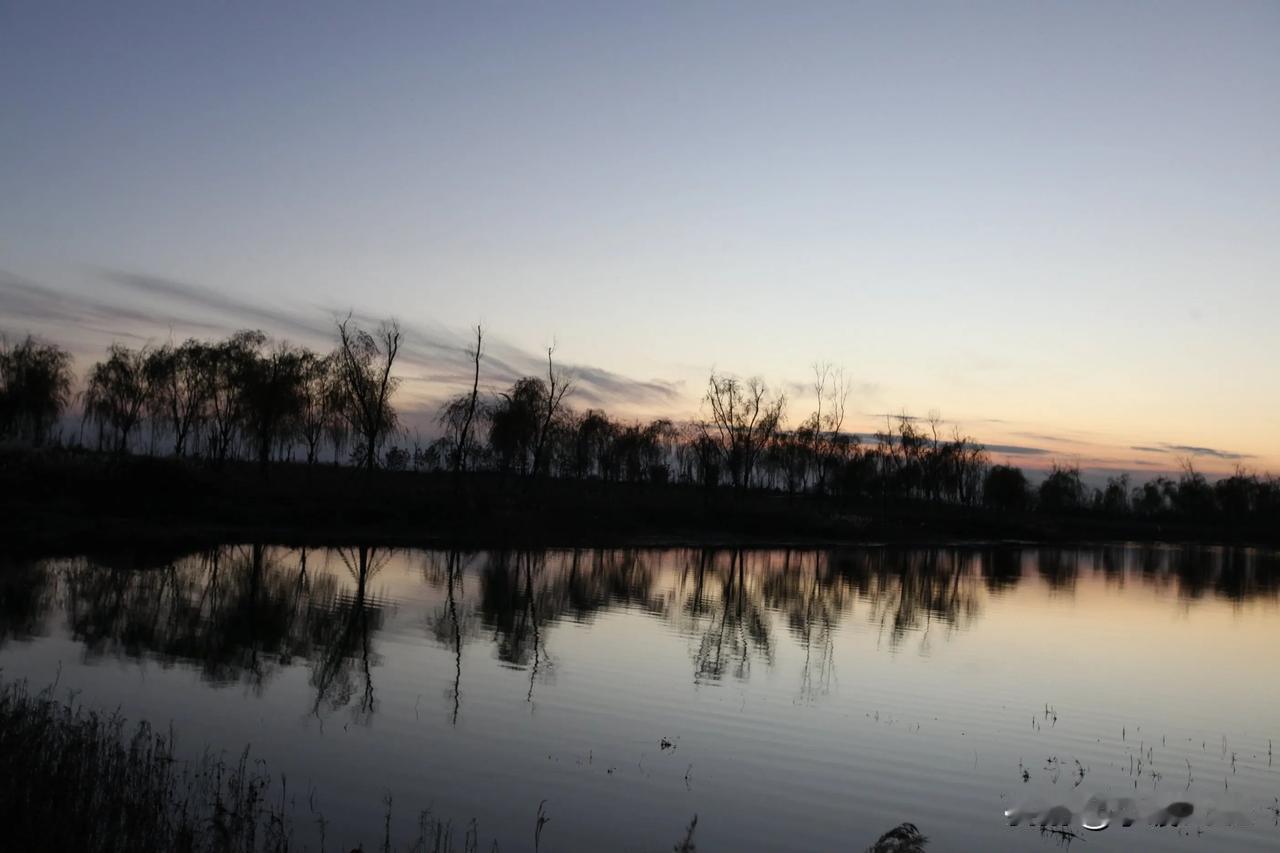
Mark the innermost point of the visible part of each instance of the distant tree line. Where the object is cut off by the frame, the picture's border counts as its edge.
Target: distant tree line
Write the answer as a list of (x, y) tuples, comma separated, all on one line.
[(1241, 497), (248, 398), (741, 442)]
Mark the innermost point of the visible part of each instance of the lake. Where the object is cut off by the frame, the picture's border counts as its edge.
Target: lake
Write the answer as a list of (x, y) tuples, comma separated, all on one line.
[(791, 699)]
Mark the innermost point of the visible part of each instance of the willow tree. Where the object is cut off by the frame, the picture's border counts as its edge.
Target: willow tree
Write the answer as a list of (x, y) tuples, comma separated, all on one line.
[(514, 419), (272, 388), (229, 363), (117, 393), (181, 381), (35, 387), (318, 407)]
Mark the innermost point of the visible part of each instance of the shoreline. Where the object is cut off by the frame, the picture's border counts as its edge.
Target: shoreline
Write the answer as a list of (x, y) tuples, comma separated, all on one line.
[(59, 502)]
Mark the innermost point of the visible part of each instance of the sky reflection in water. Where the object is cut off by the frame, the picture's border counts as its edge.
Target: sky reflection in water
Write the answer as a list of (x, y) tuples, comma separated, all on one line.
[(795, 700)]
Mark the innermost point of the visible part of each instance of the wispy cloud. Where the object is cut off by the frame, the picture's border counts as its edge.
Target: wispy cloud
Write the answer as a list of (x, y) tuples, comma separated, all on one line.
[(435, 358), (237, 312), (1193, 450), (804, 389), (1017, 450), (24, 302), (1053, 439)]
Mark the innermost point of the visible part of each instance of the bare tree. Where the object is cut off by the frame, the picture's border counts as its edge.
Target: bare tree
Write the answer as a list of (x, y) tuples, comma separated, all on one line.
[(934, 458), (969, 464), (558, 385), (911, 455), (821, 375), (364, 371), (822, 429), (458, 414), (743, 419), (836, 443)]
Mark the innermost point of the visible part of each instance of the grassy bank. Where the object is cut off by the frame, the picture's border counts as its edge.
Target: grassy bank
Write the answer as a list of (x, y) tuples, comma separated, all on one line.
[(64, 499), (72, 779), (75, 779)]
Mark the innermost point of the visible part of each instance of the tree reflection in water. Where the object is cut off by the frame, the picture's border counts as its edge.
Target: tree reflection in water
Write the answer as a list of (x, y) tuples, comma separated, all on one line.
[(234, 611), (341, 632), (26, 596), (240, 614), (455, 619), (727, 604)]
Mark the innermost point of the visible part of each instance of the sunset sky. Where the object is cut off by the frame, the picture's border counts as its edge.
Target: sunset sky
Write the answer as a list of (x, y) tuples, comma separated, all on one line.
[(1058, 224)]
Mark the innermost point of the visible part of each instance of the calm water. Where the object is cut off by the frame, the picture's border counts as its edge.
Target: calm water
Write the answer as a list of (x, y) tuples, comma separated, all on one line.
[(794, 700)]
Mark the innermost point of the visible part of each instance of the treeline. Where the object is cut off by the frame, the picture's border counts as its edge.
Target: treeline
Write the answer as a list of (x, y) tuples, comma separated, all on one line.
[(741, 442), (1243, 497), (247, 397), (242, 397)]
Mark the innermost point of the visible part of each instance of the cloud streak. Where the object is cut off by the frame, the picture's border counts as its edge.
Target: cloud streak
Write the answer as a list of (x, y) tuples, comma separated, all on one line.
[(435, 358), (1193, 450), (1017, 450)]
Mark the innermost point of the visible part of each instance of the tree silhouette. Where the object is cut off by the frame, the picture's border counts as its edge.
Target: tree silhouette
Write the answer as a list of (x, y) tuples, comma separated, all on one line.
[(247, 396), (558, 385), (593, 437), (318, 408), (117, 394), (743, 419), (272, 388), (1062, 490), (229, 365), (1006, 488), (458, 415), (35, 388), (179, 379), (514, 423), (364, 371), (831, 388)]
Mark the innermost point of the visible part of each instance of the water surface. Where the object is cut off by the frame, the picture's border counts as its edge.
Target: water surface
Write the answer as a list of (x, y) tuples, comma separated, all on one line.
[(793, 700)]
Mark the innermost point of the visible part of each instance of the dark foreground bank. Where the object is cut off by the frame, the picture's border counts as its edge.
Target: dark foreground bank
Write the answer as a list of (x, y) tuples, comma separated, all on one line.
[(61, 500)]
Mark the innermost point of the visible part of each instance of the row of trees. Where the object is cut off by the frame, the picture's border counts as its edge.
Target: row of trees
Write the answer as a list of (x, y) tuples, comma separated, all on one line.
[(741, 442), (248, 397), (1191, 496), (239, 397)]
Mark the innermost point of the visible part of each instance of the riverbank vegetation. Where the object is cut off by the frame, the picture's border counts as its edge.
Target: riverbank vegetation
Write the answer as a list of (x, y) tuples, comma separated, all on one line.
[(75, 779), (72, 778)]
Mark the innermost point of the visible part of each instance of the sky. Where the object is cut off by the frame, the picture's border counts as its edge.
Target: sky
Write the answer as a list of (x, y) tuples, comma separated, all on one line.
[(1057, 224)]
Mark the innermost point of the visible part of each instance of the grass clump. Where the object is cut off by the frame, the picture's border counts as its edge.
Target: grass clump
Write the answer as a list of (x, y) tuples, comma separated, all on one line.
[(76, 779)]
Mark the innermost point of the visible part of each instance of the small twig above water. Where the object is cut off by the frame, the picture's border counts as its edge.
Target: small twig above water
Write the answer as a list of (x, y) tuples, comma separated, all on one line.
[(543, 820)]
